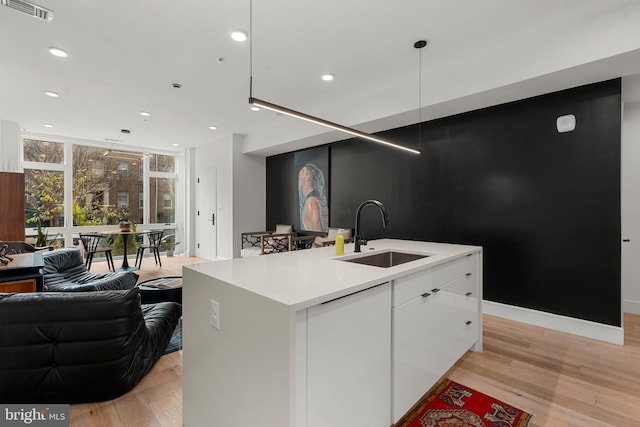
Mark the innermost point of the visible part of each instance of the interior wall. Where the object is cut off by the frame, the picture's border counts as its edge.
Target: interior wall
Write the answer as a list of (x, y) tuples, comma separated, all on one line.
[(248, 193), (220, 157), (10, 160), (631, 208), (240, 192), (544, 205)]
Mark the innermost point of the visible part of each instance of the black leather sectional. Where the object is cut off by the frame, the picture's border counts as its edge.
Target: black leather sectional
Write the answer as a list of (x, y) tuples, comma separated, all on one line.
[(76, 347)]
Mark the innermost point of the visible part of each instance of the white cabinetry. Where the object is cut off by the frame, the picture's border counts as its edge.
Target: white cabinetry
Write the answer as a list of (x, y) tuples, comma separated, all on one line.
[(435, 320), (348, 357), (351, 346)]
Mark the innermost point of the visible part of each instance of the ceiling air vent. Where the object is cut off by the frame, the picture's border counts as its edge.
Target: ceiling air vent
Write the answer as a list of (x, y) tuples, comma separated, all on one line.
[(30, 9)]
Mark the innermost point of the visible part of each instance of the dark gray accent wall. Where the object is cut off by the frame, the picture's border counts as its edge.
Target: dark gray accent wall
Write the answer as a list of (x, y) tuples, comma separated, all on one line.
[(545, 206)]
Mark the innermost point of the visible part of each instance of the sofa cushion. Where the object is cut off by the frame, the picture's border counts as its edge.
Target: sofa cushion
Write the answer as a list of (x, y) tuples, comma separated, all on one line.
[(59, 347), (283, 228), (64, 271), (331, 237)]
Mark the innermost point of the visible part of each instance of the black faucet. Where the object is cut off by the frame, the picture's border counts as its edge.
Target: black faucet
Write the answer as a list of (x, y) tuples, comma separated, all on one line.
[(385, 221)]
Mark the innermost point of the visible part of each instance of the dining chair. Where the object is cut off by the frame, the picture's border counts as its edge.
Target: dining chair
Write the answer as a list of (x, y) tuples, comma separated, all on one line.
[(91, 243), (154, 237)]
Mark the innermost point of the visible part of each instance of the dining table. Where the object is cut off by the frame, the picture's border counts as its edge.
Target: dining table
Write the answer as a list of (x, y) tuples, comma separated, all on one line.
[(125, 240)]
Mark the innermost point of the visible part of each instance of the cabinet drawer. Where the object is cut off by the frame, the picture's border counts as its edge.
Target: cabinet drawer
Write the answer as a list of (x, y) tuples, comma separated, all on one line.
[(25, 285), (463, 285), (447, 272), (421, 343), (463, 336), (411, 286)]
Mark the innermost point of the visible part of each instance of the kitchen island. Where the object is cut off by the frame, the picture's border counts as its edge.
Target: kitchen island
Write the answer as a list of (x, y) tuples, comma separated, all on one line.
[(306, 339)]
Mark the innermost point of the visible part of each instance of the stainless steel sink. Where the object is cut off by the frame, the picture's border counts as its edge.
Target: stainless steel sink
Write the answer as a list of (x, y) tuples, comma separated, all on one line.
[(385, 259)]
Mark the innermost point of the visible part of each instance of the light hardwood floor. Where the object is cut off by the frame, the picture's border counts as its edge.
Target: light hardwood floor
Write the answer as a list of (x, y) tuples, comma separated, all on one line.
[(157, 399), (562, 379)]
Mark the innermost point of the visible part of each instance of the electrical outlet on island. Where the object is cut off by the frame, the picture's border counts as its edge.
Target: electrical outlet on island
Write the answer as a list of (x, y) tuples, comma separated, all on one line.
[(215, 314)]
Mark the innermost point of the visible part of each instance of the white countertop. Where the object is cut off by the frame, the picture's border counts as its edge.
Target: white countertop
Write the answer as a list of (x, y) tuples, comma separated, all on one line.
[(304, 278)]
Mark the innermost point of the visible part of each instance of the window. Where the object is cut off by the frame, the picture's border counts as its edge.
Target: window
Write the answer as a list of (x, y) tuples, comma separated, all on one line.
[(44, 183), (123, 200), (44, 198), (97, 168), (97, 182), (43, 151), (162, 163), (123, 171), (167, 201), (101, 181), (162, 203)]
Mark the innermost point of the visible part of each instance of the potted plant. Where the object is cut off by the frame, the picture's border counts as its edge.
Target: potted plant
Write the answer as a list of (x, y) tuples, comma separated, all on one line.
[(41, 239), (168, 243), (125, 224)]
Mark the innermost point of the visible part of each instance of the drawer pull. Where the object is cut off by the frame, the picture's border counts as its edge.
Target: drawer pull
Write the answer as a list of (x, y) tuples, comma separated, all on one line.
[(468, 294), (468, 274), (468, 255), (434, 290), (468, 322), (426, 294)]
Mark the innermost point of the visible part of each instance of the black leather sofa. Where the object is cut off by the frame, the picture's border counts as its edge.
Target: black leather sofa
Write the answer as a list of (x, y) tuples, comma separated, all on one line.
[(77, 347), (64, 271)]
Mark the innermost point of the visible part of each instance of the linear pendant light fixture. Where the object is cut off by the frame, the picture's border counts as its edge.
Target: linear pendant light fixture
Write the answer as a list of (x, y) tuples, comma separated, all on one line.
[(298, 115), (306, 117)]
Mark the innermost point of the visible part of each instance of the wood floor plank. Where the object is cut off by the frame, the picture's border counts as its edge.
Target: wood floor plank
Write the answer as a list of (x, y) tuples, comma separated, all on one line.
[(94, 415), (562, 379), (133, 412)]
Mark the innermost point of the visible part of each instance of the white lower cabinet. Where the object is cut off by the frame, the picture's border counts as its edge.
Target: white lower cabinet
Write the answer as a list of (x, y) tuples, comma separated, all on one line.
[(365, 359), (432, 328), (348, 360)]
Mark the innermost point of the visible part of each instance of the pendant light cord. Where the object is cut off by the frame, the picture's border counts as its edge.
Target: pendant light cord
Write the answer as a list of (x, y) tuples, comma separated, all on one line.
[(420, 100), (419, 45), (250, 48)]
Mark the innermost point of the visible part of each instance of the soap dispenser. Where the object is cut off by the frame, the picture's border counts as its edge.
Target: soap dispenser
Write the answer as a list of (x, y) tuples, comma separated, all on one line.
[(340, 242)]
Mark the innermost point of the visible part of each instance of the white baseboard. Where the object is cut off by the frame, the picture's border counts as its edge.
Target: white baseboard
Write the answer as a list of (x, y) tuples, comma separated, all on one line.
[(570, 325), (631, 306)]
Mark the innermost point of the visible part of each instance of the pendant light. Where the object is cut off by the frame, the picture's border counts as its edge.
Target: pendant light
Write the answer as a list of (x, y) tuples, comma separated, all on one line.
[(306, 117), (419, 45)]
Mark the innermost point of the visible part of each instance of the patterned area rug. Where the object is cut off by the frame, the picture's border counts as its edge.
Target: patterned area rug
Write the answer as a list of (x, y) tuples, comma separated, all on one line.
[(454, 405)]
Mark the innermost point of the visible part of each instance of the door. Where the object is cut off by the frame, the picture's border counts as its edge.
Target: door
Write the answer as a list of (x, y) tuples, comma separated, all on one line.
[(206, 214)]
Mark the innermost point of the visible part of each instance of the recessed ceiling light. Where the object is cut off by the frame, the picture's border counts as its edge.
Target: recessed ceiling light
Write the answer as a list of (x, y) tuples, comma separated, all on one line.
[(239, 36), (175, 144), (145, 114), (254, 108), (47, 125), (213, 127), (56, 51), (51, 94), (328, 77)]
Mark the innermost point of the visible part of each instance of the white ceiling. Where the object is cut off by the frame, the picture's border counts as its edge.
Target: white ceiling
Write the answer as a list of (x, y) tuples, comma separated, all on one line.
[(124, 56)]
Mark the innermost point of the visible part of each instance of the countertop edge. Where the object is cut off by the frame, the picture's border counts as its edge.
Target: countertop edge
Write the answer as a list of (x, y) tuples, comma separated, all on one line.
[(259, 274)]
